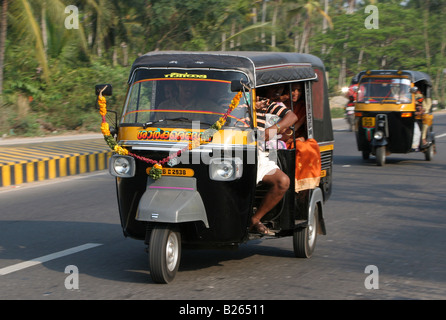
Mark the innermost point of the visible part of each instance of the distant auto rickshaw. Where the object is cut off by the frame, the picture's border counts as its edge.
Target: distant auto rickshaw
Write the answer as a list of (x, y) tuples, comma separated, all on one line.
[(186, 161), (393, 113)]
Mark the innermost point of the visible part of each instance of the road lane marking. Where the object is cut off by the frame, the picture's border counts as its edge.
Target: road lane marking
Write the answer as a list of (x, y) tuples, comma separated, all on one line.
[(52, 256), (441, 135)]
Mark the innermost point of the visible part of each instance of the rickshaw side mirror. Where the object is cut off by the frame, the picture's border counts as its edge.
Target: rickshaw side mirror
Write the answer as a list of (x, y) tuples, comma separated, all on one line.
[(413, 90), (237, 85), (107, 92)]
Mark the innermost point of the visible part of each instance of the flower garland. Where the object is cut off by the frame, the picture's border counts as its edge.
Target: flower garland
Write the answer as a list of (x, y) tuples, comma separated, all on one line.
[(157, 169)]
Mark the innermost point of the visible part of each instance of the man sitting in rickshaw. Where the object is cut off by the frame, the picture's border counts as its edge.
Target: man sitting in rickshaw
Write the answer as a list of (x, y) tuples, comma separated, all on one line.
[(298, 99), (424, 109), (308, 164), (268, 171)]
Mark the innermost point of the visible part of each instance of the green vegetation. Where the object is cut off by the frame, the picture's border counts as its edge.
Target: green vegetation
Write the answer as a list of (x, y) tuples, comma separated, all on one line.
[(48, 71), (337, 112)]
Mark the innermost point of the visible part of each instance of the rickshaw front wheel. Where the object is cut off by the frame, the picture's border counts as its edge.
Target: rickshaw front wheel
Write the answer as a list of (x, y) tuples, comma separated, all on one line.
[(380, 154), (304, 239), (164, 253)]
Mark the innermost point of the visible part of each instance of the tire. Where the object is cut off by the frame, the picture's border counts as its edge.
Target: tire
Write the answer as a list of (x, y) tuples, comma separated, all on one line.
[(429, 153), (164, 253), (304, 239), (365, 155), (380, 155)]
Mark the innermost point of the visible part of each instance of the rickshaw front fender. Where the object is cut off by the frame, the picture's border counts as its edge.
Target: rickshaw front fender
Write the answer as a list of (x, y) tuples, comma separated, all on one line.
[(172, 200), (379, 142)]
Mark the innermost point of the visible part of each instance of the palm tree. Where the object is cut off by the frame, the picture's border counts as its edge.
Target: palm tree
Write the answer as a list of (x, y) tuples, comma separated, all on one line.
[(308, 9), (24, 15), (42, 23)]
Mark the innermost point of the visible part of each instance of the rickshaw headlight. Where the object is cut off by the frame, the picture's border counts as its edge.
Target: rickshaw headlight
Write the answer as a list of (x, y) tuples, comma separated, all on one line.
[(225, 169), (378, 135), (122, 166)]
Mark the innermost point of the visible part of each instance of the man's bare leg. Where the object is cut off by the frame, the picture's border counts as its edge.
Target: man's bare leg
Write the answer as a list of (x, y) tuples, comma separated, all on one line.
[(279, 183)]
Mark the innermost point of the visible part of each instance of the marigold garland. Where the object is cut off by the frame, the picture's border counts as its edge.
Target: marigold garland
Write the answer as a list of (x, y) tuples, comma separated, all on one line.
[(157, 169)]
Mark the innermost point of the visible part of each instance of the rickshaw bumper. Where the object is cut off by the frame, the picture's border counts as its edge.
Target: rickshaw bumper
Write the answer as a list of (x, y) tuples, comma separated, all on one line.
[(172, 200)]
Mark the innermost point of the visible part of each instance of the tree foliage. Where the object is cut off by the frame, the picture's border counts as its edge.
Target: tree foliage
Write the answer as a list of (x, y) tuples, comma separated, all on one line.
[(49, 71)]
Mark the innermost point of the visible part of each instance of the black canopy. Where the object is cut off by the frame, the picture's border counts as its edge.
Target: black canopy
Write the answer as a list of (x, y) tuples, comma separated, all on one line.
[(415, 76), (261, 68)]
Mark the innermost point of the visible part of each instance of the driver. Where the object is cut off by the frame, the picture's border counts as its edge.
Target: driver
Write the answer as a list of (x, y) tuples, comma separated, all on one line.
[(190, 99)]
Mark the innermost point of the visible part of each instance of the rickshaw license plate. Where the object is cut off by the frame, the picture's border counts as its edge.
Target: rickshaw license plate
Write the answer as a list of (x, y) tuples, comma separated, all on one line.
[(178, 172), (368, 122)]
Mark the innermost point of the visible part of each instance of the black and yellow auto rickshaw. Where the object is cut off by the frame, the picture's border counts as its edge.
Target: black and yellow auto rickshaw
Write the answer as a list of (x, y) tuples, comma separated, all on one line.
[(393, 113), (187, 175)]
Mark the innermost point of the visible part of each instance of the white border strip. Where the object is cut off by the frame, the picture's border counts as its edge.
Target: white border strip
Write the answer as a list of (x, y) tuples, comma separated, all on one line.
[(36, 261)]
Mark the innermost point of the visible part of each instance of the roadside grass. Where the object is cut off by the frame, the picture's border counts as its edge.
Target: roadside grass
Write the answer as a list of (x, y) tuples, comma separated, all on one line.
[(337, 113)]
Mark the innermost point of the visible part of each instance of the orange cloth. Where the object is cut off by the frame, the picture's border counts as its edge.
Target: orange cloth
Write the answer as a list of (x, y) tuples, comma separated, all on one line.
[(300, 110), (308, 165)]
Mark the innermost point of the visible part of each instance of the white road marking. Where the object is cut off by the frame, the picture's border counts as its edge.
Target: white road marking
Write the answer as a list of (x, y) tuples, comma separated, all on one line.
[(441, 135), (36, 261)]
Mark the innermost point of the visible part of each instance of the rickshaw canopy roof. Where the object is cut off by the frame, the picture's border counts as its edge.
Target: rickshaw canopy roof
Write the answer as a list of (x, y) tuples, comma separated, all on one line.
[(415, 76), (262, 68)]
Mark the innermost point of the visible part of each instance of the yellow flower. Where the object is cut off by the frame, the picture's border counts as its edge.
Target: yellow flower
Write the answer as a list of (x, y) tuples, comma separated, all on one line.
[(236, 100), (105, 129), (194, 143), (120, 150), (102, 105), (157, 166)]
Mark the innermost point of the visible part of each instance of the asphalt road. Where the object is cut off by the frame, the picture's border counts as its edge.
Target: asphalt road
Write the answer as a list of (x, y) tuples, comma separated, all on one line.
[(386, 240)]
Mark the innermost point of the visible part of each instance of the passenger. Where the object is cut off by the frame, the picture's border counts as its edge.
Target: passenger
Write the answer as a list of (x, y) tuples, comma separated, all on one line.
[(424, 109), (308, 158), (298, 105), (274, 94), (268, 171)]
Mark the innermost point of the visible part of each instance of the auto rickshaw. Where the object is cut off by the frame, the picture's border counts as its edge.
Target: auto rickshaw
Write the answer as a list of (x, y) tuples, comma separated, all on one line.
[(186, 173), (393, 113)]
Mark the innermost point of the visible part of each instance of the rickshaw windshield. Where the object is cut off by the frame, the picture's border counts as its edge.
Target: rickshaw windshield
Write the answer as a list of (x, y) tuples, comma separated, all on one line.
[(177, 98), (384, 90)]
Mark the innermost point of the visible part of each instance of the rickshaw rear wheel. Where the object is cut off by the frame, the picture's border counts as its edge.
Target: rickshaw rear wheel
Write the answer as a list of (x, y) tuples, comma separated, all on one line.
[(304, 239), (380, 154), (164, 253), (365, 155)]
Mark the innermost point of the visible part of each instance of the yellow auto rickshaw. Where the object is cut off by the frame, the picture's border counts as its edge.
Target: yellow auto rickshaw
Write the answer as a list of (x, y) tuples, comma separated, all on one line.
[(393, 113), (186, 174)]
